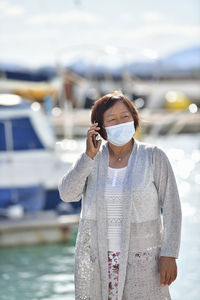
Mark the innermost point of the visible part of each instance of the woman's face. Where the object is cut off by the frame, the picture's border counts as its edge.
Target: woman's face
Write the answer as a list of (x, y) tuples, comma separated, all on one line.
[(117, 114)]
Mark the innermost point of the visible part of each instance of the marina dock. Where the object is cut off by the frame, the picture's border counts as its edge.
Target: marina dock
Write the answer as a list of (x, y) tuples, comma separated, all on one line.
[(43, 228)]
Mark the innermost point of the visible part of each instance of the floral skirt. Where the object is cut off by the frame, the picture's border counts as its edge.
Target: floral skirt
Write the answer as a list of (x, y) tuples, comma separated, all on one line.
[(113, 274)]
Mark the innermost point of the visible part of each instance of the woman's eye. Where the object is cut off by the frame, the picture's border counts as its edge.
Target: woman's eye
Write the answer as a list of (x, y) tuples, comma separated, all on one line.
[(125, 117)]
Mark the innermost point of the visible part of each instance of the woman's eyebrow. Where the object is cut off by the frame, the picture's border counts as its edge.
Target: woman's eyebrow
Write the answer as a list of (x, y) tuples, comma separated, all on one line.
[(111, 114), (125, 111)]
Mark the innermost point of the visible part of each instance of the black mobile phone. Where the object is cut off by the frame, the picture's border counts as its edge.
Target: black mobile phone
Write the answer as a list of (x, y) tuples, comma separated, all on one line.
[(94, 140)]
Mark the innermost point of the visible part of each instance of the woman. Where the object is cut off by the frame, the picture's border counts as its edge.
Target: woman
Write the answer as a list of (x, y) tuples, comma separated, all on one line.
[(123, 252)]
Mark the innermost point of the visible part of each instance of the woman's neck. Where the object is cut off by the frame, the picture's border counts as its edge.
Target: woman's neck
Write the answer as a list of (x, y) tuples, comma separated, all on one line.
[(119, 155)]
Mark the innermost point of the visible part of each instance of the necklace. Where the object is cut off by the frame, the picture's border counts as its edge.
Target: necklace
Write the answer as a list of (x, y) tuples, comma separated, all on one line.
[(118, 158)]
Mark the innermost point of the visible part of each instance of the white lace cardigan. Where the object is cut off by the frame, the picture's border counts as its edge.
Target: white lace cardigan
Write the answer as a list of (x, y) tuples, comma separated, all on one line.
[(149, 186)]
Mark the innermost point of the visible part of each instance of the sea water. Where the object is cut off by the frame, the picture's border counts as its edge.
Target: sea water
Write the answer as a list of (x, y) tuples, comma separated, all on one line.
[(38, 272), (46, 272)]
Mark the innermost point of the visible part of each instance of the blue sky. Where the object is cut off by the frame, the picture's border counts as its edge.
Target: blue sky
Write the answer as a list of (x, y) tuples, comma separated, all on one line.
[(35, 32)]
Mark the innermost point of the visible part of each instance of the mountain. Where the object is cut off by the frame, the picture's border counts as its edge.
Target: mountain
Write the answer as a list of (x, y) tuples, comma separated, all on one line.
[(182, 63), (184, 60), (17, 72)]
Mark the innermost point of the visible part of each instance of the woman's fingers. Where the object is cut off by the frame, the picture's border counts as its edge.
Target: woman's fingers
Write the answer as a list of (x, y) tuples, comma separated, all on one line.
[(173, 276), (92, 147), (167, 269), (92, 131), (167, 277), (170, 281), (162, 277), (93, 128)]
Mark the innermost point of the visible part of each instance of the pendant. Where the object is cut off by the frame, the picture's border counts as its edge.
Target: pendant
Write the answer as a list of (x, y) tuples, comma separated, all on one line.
[(119, 159)]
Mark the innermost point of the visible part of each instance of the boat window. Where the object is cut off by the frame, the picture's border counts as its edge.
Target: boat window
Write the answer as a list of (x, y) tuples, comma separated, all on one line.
[(24, 135), (2, 137)]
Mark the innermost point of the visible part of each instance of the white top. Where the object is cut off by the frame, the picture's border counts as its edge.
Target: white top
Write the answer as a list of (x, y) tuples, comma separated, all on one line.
[(114, 202)]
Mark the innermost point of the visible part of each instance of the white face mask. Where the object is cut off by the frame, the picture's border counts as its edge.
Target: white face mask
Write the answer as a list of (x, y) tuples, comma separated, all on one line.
[(120, 134)]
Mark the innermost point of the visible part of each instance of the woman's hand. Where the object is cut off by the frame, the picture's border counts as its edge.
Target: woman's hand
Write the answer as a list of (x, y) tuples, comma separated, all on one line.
[(167, 269), (91, 150)]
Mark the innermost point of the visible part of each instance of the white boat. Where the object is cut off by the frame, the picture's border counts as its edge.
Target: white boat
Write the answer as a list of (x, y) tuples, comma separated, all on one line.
[(30, 164)]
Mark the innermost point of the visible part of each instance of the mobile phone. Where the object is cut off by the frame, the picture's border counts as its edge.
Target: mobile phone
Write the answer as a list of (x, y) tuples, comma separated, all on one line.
[(94, 140)]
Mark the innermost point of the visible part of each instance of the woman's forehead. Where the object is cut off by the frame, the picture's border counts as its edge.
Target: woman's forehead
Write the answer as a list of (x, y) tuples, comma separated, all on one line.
[(117, 108)]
